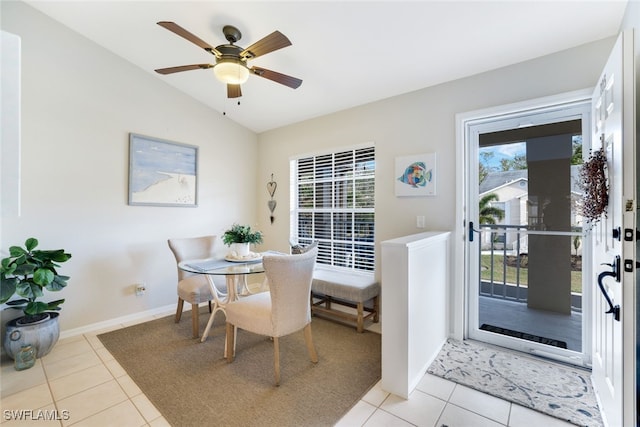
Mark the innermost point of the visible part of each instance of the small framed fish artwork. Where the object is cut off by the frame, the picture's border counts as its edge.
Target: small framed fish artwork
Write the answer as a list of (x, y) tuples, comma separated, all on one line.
[(416, 175)]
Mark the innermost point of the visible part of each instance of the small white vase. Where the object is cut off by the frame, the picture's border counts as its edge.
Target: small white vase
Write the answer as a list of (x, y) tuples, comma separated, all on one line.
[(242, 249)]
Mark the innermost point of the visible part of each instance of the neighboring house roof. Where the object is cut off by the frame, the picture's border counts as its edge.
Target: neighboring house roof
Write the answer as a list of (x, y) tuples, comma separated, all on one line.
[(495, 180)]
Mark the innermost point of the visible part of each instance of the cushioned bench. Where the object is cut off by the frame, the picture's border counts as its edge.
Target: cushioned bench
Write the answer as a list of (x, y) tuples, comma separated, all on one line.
[(347, 289)]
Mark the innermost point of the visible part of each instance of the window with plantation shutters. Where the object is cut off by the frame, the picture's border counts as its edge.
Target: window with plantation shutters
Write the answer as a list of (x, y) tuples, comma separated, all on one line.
[(333, 204)]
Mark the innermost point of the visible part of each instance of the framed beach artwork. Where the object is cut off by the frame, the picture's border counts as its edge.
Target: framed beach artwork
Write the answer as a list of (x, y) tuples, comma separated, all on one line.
[(162, 173), (416, 175)]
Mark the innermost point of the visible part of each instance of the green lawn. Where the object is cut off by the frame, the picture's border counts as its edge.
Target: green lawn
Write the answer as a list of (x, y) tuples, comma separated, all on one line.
[(576, 276)]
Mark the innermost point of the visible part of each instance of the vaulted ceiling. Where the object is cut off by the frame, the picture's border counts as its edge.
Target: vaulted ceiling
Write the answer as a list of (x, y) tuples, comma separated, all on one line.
[(347, 53)]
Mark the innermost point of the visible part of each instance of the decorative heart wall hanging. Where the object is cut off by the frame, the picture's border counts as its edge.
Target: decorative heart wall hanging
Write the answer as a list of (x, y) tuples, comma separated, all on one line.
[(271, 188)]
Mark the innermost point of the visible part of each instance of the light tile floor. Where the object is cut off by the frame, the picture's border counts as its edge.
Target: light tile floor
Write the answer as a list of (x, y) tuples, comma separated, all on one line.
[(80, 384)]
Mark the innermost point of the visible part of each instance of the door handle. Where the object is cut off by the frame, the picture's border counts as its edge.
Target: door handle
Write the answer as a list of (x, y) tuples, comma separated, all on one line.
[(471, 231), (615, 272)]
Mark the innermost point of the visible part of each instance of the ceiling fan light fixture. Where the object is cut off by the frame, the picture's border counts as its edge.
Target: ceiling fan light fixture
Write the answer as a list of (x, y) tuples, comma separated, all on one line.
[(231, 72), (231, 60)]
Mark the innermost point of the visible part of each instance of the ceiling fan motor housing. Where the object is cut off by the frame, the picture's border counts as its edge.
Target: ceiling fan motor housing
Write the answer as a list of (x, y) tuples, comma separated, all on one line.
[(229, 51), (231, 33)]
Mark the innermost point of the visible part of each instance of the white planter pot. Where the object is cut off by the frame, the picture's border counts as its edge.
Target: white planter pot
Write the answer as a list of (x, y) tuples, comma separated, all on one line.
[(241, 249)]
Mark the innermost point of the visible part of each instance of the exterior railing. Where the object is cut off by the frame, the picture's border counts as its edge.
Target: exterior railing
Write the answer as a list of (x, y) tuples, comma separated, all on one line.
[(503, 255)]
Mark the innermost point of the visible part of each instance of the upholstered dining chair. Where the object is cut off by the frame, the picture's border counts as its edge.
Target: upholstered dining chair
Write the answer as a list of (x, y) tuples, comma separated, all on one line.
[(283, 310), (194, 288)]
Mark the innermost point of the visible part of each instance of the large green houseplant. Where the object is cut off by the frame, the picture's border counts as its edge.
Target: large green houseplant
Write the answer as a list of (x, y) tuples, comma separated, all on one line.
[(27, 272)]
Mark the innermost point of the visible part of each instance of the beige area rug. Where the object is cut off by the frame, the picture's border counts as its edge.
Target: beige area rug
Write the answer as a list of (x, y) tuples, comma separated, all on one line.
[(191, 384)]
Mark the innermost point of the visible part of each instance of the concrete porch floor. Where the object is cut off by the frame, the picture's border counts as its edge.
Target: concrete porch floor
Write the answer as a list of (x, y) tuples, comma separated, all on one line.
[(517, 316)]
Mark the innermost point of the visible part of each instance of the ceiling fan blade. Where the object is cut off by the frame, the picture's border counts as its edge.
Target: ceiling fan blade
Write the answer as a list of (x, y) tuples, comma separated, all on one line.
[(292, 82), (180, 68), (273, 41), (234, 91), (177, 29)]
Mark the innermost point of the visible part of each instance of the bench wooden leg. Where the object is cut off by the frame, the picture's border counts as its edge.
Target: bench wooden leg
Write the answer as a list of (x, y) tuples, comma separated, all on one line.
[(324, 303), (360, 324)]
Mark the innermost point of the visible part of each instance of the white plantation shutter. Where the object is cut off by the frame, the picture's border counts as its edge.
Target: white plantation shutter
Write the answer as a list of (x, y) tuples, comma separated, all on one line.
[(333, 204)]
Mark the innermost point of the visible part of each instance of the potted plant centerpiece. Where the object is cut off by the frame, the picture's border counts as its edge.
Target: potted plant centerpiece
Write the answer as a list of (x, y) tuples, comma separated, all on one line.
[(27, 272), (239, 238)]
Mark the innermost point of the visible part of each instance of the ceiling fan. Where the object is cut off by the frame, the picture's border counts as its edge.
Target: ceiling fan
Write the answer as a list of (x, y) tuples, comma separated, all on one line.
[(231, 60)]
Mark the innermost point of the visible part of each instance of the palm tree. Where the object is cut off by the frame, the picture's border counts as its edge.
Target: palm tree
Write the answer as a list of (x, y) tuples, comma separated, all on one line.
[(488, 213)]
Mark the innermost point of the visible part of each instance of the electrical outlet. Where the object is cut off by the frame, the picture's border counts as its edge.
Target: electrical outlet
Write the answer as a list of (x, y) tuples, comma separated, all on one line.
[(141, 288)]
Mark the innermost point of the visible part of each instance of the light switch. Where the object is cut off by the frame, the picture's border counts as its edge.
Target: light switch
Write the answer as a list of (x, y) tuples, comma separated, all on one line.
[(420, 221)]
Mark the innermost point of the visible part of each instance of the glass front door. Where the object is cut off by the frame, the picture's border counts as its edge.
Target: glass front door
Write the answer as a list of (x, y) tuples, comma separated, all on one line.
[(525, 287)]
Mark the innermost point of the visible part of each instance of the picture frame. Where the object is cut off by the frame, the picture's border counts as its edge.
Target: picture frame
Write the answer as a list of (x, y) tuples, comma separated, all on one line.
[(162, 172), (415, 175)]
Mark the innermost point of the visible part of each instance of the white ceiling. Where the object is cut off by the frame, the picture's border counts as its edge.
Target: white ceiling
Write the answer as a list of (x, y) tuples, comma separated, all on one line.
[(347, 53)]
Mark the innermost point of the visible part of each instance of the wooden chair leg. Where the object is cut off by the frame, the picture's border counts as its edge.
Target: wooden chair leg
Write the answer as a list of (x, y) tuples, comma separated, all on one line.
[(195, 322), (276, 359), (179, 309), (230, 346), (376, 308), (308, 338), (360, 326)]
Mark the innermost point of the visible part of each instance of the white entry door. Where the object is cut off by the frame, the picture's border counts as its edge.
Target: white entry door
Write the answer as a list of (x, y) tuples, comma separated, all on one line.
[(613, 238)]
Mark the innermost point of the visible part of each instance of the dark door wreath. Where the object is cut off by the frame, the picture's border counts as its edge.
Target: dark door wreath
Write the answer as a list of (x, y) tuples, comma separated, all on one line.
[(596, 190)]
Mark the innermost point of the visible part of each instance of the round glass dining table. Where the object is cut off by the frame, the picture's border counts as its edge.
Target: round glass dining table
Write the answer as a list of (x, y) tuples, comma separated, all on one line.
[(235, 273)]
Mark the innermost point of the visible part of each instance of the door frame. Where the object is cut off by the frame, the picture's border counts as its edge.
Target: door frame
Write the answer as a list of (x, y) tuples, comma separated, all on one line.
[(459, 300)]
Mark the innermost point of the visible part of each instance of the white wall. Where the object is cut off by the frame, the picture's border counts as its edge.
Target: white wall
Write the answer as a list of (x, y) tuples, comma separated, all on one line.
[(417, 122), (9, 124), (79, 103)]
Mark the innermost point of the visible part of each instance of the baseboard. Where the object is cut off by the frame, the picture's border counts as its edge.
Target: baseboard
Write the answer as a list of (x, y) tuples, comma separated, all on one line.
[(167, 309)]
